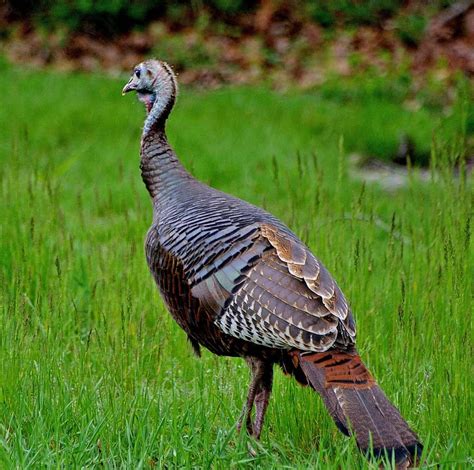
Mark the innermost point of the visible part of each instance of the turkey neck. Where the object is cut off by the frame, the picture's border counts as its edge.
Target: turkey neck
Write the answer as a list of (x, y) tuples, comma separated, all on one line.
[(162, 172)]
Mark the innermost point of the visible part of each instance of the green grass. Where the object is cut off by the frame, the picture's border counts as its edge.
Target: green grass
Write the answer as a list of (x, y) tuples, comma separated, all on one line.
[(93, 371)]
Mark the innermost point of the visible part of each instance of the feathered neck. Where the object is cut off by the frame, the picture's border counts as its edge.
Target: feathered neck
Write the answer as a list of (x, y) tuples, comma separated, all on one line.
[(161, 100), (162, 172)]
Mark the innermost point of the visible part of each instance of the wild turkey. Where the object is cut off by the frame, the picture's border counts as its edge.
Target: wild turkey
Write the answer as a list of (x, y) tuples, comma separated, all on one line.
[(240, 283)]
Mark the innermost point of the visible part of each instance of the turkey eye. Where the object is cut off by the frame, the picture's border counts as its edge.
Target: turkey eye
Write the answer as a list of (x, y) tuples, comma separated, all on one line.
[(137, 73)]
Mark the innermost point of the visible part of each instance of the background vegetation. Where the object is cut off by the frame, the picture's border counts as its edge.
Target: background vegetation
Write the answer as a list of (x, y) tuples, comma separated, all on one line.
[(93, 371), (114, 16)]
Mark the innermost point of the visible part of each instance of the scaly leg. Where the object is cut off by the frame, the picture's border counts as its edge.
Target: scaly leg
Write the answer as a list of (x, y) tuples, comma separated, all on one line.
[(261, 402), (259, 393)]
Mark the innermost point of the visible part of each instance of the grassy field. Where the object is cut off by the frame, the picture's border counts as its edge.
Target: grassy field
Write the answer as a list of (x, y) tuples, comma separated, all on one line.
[(93, 371)]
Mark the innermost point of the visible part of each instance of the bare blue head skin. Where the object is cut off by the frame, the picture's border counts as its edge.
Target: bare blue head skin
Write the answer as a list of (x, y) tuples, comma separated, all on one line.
[(156, 87)]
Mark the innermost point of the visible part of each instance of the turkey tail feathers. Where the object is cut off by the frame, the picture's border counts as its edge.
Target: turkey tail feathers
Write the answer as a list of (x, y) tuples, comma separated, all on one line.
[(358, 405)]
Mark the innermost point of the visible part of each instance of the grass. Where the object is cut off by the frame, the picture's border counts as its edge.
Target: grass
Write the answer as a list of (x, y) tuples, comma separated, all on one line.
[(93, 371)]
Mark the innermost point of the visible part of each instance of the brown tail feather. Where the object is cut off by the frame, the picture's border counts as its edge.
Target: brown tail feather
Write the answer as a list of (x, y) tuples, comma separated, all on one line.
[(357, 404)]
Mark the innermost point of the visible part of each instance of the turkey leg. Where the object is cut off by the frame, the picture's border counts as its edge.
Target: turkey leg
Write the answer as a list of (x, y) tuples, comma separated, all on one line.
[(259, 394)]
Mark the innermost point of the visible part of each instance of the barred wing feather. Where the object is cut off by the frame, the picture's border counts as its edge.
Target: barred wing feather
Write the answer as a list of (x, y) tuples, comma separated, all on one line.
[(274, 293)]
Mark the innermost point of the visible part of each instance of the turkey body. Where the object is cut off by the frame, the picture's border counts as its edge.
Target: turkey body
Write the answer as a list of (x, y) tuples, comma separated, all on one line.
[(241, 283), (203, 251)]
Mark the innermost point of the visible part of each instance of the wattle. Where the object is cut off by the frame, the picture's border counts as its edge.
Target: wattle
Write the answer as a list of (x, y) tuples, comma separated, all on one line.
[(148, 99)]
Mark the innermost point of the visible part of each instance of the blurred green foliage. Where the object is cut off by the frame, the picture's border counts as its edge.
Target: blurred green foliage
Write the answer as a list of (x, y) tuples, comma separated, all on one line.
[(331, 12), (106, 16), (115, 16), (183, 55), (410, 28), (230, 6)]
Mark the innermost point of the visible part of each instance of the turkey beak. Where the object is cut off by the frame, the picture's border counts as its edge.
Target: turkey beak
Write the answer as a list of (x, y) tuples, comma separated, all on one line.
[(130, 86)]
